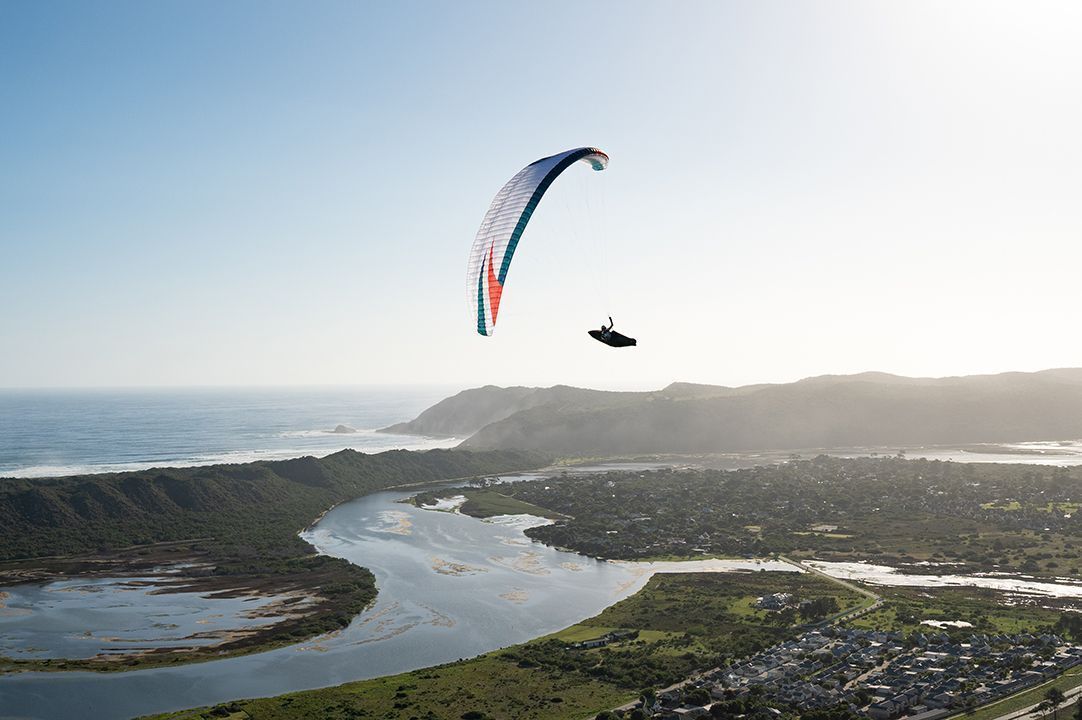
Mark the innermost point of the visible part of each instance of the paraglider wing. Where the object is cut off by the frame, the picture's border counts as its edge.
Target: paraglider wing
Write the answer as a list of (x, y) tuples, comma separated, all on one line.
[(503, 225)]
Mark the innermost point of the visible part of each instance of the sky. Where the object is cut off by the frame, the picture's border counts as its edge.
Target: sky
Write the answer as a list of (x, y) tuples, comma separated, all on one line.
[(285, 193)]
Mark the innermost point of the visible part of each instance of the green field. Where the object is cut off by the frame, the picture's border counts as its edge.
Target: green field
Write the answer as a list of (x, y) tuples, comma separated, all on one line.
[(488, 685), (1014, 506), (1010, 505), (904, 608), (487, 503)]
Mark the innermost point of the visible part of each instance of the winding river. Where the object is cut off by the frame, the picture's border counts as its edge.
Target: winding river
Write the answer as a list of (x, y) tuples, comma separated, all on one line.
[(450, 587)]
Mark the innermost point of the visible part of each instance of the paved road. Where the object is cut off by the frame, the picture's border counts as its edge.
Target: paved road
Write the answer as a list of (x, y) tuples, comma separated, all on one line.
[(848, 614), (1031, 713)]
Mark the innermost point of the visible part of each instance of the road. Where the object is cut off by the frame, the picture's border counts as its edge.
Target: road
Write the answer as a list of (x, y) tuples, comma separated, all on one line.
[(877, 602), (1031, 713)]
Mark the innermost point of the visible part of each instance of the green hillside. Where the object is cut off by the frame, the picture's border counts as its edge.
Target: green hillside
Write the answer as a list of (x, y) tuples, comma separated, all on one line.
[(235, 504)]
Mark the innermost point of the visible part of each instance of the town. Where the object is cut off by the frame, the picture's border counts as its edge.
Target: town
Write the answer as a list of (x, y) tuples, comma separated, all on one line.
[(871, 674)]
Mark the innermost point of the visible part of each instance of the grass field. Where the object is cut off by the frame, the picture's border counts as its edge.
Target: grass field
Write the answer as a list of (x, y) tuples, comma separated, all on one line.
[(905, 608), (487, 685), (1004, 505), (1014, 505), (486, 503)]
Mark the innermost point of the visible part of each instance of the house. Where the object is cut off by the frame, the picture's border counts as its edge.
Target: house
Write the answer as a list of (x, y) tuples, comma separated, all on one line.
[(930, 715), (941, 701), (882, 710), (774, 602)]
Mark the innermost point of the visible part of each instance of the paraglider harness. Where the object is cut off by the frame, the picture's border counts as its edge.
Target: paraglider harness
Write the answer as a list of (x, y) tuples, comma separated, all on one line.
[(612, 338)]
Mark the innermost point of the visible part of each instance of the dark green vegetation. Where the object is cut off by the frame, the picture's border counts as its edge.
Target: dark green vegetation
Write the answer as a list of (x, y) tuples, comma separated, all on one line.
[(871, 409), (893, 511), (237, 523), (904, 609), (239, 505), (676, 624)]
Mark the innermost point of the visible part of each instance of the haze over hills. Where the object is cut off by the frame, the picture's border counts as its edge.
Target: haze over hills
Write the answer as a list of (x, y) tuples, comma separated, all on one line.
[(467, 412), (868, 409)]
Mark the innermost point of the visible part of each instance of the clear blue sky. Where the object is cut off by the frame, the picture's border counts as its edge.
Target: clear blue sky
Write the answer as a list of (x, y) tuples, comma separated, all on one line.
[(285, 193)]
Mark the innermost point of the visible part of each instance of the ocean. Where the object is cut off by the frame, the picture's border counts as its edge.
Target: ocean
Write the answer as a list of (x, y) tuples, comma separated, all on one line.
[(64, 432)]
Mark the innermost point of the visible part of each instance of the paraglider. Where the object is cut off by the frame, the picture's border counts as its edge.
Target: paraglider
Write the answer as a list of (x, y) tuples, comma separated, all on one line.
[(502, 228), (612, 338)]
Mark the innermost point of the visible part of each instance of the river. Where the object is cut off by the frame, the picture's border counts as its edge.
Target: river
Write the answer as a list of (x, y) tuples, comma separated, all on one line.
[(450, 587)]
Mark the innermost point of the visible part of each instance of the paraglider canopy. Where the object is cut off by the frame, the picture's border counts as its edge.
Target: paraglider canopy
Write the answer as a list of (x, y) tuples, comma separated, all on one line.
[(503, 225)]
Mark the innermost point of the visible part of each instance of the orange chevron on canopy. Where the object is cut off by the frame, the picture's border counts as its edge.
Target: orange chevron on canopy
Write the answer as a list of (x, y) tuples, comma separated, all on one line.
[(495, 287)]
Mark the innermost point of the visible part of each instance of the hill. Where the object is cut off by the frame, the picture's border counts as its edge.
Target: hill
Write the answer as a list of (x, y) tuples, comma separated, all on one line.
[(237, 505), (470, 410), (869, 409)]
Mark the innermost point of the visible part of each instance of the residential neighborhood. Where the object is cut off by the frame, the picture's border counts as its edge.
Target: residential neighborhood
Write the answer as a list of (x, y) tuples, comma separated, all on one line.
[(879, 675)]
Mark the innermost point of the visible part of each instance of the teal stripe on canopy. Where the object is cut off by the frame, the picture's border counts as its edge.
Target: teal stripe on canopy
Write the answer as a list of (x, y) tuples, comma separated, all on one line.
[(572, 157)]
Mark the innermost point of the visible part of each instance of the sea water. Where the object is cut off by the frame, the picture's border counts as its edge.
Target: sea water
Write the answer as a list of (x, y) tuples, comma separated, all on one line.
[(65, 432)]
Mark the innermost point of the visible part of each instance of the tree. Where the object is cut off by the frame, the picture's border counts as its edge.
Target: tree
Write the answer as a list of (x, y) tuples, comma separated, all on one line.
[(1054, 697), (819, 607), (1070, 625), (698, 696)]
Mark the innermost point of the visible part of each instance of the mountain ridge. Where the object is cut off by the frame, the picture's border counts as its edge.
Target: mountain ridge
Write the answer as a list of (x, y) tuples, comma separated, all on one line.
[(865, 409)]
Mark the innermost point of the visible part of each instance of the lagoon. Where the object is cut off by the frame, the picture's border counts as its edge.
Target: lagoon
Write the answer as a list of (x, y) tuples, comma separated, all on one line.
[(84, 617)]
